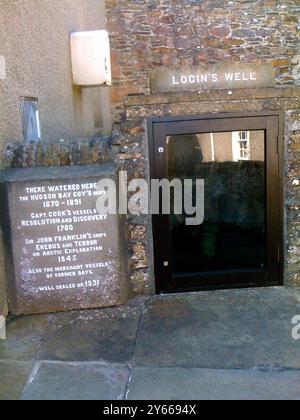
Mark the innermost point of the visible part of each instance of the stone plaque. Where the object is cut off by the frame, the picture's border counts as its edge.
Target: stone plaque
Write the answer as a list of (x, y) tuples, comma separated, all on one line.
[(62, 253), (213, 77)]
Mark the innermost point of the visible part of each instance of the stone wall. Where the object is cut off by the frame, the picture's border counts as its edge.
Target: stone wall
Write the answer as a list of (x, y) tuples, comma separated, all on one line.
[(170, 33), (129, 147), (130, 150), (292, 131), (131, 144), (67, 152), (155, 33)]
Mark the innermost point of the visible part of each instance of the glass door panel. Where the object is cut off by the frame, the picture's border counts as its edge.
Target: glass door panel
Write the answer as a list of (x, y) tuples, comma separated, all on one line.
[(233, 234)]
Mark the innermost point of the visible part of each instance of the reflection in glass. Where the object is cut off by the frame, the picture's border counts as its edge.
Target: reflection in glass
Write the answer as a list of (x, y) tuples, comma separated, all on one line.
[(233, 235)]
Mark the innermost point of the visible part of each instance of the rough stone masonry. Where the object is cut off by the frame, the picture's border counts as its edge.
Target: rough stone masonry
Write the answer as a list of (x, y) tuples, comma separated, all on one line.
[(167, 33), (175, 33), (149, 35), (130, 145)]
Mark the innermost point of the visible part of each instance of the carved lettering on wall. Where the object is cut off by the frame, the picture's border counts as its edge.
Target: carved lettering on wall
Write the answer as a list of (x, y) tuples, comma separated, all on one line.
[(215, 77)]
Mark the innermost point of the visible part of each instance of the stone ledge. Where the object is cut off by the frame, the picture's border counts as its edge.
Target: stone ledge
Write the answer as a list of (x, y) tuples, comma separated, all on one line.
[(62, 152), (240, 94)]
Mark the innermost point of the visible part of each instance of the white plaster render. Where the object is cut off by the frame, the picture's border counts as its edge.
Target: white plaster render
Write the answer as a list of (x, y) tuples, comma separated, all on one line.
[(35, 61), (35, 41)]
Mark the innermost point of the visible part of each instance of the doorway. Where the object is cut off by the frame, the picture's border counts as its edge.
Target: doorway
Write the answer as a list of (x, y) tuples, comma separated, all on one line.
[(239, 243)]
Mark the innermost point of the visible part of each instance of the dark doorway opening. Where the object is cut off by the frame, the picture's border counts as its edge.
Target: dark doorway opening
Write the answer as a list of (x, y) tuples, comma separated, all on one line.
[(239, 242)]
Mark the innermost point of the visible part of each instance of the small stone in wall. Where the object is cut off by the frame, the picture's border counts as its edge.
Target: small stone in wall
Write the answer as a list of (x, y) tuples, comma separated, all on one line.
[(293, 279), (139, 256), (296, 73), (137, 232), (220, 31), (135, 130), (294, 143), (139, 281)]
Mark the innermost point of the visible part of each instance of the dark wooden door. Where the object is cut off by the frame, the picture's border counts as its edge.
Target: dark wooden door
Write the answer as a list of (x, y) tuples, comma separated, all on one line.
[(239, 242)]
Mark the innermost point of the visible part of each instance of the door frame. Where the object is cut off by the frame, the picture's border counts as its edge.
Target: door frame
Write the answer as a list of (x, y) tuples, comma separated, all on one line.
[(272, 123)]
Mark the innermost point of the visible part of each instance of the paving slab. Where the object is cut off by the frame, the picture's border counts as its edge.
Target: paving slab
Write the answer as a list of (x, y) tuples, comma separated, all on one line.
[(24, 337), (13, 377), (220, 330), (202, 384), (62, 382), (105, 335)]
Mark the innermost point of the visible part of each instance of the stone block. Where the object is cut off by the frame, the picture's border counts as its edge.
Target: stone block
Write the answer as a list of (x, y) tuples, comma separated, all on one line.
[(61, 253)]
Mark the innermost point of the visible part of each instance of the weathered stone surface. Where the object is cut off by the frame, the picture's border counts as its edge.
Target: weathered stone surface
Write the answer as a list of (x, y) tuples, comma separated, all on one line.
[(64, 255), (230, 329), (102, 335), (211, 107), (213, 96), (213, 385), (140, 282), (292, 198), (137, 232), (13, 379), (177, 34), (183, 33), (220, 31), (213, 77), (139, 255), (65, 152), (93, 351), (25, 338), (132, 131), (55, 382)]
